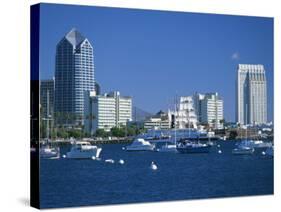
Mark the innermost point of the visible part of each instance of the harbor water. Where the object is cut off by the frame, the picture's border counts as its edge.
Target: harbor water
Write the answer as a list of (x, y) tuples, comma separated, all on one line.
[(68, 182)]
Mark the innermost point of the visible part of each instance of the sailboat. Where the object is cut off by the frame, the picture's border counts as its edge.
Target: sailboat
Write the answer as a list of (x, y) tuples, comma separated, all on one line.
[(170, 146), (243, 148), (46, 150)]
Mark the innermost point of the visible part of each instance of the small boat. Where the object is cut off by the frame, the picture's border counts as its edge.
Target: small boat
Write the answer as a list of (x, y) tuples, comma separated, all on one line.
[(254, 143), (140, 144), (49, 152), (186, 146), (83, 150), (243, 150)]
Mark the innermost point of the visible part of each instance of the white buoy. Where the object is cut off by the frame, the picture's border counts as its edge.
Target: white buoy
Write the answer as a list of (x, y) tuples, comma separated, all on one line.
[(218, 146), (64, 156), (93, 158), (123, 148), (263, 153), (153, 166), (121, 161), (219, 151), (109, 161)]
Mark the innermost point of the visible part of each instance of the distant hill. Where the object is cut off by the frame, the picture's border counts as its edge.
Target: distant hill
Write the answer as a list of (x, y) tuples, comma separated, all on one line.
[(139, 114)]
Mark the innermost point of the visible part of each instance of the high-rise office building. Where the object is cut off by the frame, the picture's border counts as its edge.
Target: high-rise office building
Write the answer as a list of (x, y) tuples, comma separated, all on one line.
[(47, 88), (251, 94), (74, 75), (211, 110), (106, 111)]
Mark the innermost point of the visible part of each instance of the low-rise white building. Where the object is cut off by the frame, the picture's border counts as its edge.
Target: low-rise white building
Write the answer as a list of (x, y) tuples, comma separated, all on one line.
[(106, 111)]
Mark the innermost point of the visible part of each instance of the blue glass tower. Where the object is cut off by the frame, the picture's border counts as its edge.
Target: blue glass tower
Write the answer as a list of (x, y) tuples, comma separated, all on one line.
[(74, 75)]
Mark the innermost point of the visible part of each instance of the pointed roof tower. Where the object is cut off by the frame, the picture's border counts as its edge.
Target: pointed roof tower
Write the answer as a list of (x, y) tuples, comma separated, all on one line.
[(74, 37)]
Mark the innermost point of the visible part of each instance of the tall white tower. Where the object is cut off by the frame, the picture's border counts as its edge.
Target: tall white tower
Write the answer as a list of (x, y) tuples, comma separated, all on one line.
[(251, 93)]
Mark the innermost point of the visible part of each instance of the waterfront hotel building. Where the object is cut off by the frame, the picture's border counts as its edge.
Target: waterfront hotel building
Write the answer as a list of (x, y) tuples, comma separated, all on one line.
[(74, 74), (106, 111), (211, 110), (251, 94)]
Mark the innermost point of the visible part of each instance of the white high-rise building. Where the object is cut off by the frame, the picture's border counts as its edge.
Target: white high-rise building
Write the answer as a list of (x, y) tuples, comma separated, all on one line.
[(211, 110), (106, 111), (251, 94)]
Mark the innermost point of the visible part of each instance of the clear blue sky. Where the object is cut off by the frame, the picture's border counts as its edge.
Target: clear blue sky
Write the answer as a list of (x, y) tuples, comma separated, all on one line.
[(154, 55)]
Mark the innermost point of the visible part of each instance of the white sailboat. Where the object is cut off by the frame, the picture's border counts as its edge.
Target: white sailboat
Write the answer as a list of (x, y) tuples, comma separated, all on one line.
[(242, 148), (46, 150)]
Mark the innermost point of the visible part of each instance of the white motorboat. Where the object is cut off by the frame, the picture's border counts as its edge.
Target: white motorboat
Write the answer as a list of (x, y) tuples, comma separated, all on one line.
[(243, 150), (83, 150), (140, 144)]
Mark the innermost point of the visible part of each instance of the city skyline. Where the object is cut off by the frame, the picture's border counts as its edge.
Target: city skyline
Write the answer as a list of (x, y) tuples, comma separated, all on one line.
[(171, 54)]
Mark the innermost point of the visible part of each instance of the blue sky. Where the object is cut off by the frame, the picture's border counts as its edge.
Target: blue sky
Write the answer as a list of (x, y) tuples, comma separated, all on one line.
[(155, 55)]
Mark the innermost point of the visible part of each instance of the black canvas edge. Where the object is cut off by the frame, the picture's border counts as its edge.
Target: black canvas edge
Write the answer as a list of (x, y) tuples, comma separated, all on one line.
[(34, 106)]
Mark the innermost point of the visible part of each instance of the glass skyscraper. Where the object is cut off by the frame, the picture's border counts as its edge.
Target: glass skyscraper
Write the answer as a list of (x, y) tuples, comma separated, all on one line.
[(251, 94), (74, 75)]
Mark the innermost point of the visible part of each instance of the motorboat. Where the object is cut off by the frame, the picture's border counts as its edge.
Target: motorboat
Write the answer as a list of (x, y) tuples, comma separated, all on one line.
[(254, 144), (187, 146), (243, 150), (140, 144), (83, 150)]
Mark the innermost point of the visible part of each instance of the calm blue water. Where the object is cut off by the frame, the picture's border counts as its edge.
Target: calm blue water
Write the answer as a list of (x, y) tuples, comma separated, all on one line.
[(66, 183)]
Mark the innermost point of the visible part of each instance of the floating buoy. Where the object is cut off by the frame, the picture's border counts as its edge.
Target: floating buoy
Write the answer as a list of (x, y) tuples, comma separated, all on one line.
[(109, 161), (64, 156), (263, 153), (218, 146), (153, 166), (93, 158), (219, 151), (123, 148), (121, 161)]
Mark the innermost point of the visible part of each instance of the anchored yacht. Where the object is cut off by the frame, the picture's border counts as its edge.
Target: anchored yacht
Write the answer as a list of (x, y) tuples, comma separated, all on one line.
[(83, 150)]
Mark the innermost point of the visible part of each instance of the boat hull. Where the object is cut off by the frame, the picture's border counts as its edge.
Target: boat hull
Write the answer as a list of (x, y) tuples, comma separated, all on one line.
[(168, 148), (203, 149), (149, 148), (243, 151)]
